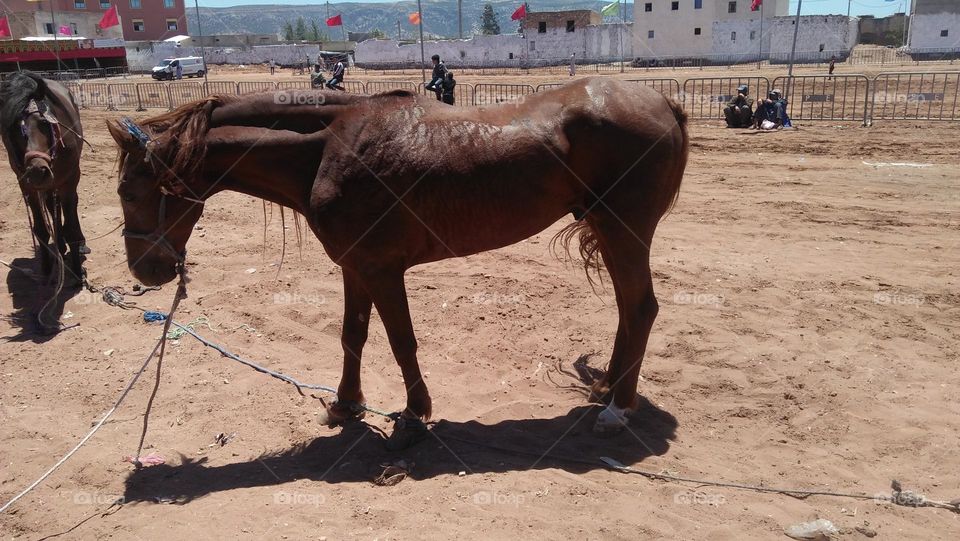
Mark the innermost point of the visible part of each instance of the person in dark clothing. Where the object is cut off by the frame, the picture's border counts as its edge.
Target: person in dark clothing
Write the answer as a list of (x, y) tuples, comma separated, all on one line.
[(739, 110), (833, 64), (771, 113), (437, 78), (336, 78), (447, 88)]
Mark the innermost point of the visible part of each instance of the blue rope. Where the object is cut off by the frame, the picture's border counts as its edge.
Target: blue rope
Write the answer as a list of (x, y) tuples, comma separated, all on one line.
[(150, 316)]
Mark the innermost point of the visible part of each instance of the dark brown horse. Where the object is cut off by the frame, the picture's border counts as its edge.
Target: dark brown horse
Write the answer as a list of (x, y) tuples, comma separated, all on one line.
[(395, 180), (41, 131)]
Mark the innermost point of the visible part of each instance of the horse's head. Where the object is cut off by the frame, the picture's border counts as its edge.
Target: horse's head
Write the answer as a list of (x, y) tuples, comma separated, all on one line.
[(31, 129), (159, 206)]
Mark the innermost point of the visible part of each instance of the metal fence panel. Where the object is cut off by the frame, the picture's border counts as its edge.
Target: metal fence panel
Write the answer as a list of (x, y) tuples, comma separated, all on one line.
[(293, 85), (462, 94), (376, 87), (548, 86), (184, 93), (704, 98), (122, 96), (153, 96), (254, 87), (228, 88), (668, 87), (94, 95), (825, 97), (916, 96), (486, 93), (356, 87)]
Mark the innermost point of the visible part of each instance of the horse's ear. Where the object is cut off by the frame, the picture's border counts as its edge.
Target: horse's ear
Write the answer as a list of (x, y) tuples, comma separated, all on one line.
[(125, 140)]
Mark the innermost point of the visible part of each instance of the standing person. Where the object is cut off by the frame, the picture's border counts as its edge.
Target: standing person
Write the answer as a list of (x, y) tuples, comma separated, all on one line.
[(273, 66), (573, 64), (179, 69), (448, 85), (336, 77), (437, 78), (833, 64)]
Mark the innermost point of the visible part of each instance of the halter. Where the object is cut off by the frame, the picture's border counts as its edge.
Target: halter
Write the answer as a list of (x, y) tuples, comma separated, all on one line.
[(41, 109), (156, 237)]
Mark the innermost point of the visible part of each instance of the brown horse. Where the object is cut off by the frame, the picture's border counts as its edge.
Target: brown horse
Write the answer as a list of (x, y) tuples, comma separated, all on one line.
[(394, 180), (41, 131)]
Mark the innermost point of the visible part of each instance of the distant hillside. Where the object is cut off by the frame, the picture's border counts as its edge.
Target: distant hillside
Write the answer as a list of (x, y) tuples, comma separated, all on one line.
[(439, 16)]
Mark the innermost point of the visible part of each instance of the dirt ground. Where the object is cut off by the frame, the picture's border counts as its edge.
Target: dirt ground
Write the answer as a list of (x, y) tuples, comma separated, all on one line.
[(807, 338)]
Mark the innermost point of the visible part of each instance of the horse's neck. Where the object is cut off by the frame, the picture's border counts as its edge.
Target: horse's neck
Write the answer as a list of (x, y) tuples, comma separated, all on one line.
[(278, 166)]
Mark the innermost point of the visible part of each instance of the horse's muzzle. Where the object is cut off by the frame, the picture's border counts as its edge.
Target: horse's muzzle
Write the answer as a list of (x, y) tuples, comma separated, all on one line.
[(38, 175)]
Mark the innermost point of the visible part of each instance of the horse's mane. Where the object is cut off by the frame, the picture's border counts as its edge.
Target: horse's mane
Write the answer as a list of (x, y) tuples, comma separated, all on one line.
[(179, 138), (15, 92)]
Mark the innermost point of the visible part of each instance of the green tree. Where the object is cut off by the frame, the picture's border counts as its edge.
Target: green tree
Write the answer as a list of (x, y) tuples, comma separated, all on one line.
[(488, 21), (300, 30), (287, 31), (376, 33), (314, 33)]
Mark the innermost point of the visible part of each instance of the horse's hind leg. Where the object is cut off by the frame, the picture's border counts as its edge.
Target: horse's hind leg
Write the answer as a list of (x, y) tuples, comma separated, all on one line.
[(390, 297), (356, 321), (626, 252), (73, 235)]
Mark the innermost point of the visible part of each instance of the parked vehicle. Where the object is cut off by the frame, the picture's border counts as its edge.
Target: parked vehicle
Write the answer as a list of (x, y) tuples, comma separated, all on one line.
[(192, 66)]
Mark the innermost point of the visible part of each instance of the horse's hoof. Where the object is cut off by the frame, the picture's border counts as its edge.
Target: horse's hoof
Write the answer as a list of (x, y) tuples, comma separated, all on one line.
[(83, 249), (612, 420), (407, 432), (341, 412)]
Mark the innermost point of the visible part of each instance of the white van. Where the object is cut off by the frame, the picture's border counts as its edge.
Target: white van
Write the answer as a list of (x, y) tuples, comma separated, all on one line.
[(167, 68)]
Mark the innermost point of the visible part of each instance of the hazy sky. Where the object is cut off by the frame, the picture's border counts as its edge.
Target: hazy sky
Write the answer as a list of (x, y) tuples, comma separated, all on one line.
[(879, 8)]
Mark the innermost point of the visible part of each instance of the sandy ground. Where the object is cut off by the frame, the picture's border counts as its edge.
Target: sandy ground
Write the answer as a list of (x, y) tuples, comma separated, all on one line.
[(807, 337)]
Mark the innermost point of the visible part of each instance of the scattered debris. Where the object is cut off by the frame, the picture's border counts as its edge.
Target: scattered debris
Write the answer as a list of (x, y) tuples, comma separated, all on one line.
[(393, 473), (897, 164), (818, 530), (223, 439), (152, 459)]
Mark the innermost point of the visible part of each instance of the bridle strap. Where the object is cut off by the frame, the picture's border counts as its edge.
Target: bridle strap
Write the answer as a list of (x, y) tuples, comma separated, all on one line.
[(39, 155), (157, 238)]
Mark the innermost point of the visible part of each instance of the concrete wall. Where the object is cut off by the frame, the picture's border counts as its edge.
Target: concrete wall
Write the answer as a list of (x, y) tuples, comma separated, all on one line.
[(882, 30), (926, 29), (674, 31), (832, 32)]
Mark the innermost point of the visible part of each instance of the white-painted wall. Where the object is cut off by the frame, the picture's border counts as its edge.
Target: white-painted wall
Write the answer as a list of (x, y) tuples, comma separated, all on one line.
[(925, 31)]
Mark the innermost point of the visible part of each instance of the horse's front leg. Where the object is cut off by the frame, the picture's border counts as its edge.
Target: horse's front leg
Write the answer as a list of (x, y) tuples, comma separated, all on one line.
[(390, 297), (356, 321), (34, 201), (73, 235)]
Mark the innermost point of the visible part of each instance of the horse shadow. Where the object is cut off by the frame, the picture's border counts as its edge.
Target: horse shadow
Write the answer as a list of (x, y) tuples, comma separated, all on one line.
[(30, 295), (356, 454)]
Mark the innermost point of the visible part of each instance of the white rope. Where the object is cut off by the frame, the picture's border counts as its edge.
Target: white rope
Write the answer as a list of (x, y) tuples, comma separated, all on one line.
[(89, 434)]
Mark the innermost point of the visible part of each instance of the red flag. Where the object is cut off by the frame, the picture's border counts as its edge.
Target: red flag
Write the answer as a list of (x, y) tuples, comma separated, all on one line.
[(109, 18), (414, 18), (65, 30), (755, 5), (5, 28), (335, 21), (520, 13)]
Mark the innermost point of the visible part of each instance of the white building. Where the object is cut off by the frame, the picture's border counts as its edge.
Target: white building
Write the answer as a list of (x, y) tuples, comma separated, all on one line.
[(935, 24), (726, 30)]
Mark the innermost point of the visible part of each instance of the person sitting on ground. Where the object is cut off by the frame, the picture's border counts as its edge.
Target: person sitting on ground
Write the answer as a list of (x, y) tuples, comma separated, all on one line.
[(448, 85), (436, 79), (771, 113), (739, 110), (336, 78)]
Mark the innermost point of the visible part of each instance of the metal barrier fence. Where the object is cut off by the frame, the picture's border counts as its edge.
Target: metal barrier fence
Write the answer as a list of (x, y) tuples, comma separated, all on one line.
[(916, 96), (889, 96), (491, 93), (822, 97), (704, 98), (463, 94)]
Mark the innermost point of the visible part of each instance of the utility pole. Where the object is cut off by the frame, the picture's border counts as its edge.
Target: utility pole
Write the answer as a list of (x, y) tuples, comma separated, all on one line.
[(848, 7), (423, 57), (908, 23), (398, 30), (56, 31), (328, 10), (623, 22), (203, 54), (760, 55), (796, 31), (460, 17)]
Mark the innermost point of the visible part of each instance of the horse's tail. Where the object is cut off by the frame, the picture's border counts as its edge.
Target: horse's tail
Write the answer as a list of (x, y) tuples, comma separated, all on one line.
[(681, 164), (589, 246)]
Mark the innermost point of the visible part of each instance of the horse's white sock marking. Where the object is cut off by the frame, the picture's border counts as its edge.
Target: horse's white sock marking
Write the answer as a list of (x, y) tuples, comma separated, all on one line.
[(613, 416)]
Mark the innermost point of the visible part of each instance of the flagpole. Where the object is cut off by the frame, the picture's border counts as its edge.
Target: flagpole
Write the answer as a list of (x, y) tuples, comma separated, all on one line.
[(203, 53), (423, 56), (796, 31), (56, 31), (760, 54)]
